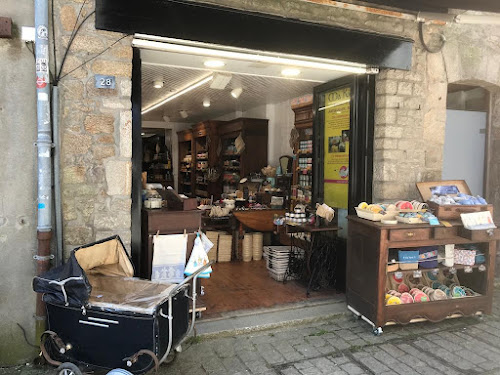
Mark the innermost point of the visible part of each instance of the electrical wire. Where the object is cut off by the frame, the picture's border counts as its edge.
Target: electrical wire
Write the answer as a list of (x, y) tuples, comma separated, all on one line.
[(53, 36), (92, 58), (25, 337), (426, 47), (58, 76)]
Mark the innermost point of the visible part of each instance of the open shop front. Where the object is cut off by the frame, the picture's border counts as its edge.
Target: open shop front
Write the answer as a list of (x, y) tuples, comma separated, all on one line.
[(249, 141)]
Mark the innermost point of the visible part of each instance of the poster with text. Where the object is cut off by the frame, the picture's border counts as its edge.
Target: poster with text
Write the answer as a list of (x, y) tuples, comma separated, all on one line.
[(337, 122)]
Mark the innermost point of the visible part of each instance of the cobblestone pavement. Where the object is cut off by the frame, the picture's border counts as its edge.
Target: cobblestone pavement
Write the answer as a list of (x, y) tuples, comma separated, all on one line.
[(344, 346)]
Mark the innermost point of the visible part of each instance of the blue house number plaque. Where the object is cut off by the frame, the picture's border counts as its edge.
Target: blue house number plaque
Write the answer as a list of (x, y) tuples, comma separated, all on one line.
[(105, 82)]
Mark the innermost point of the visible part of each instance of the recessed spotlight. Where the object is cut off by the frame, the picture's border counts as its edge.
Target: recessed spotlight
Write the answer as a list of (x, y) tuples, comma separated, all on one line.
[(166, 119), (214, 63), (143, 133), (290, 72), (158, 84), (183, 113), (206, 103), (236, 92)]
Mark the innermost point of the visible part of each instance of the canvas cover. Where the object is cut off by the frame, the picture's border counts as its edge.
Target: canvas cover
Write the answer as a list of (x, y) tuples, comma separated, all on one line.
[(68, 284)]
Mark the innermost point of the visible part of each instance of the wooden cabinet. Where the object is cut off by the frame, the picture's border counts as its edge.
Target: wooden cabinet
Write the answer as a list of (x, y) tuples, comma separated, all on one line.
[(302, 180), (206, 143), (164, 221), (368, 247), (186, 175), (252, 159)]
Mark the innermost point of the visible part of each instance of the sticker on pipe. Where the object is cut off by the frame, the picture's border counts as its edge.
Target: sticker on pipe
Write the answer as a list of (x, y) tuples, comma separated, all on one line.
[(42, 65), (42, 32), (41, 82)]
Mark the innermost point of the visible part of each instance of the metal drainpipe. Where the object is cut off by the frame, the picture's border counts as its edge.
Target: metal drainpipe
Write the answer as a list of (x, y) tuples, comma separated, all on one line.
[(57, 182), (44, 150)]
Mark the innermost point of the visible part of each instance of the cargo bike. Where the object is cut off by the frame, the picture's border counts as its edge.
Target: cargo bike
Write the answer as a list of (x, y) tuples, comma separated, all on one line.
[(100, 317)]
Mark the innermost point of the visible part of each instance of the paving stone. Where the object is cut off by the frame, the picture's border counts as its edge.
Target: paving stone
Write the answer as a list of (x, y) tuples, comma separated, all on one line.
[(352, 369)]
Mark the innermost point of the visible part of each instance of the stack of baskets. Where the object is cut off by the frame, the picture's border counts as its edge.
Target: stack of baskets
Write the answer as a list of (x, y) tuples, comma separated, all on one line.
[(225, 248), (277, 260), (214, 237), (258, 242), (247, 247)]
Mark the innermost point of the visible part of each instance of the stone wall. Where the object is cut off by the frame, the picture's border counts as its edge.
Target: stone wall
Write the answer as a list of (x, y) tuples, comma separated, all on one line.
[(96, 127), (17, 187)]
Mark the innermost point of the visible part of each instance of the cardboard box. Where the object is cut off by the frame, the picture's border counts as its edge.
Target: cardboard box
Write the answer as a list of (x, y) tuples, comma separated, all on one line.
[(449, 212)]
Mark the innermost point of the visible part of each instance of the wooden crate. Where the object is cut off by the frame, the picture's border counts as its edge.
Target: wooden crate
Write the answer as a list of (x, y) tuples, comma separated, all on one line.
[(450, 212)]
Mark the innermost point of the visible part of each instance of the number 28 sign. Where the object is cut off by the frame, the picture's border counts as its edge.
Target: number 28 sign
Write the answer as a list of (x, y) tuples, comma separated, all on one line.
[(105, 82)]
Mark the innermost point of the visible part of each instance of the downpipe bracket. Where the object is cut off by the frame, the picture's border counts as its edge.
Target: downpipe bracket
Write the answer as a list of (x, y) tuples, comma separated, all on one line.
[(43, 257)]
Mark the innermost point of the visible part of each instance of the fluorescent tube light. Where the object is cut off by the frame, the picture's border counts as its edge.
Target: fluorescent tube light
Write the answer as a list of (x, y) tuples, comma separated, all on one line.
[(177, 94), (202, 49), (236, 92)]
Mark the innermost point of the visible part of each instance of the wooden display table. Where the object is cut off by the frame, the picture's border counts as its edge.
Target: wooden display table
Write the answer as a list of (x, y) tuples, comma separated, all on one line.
[(367, 257)]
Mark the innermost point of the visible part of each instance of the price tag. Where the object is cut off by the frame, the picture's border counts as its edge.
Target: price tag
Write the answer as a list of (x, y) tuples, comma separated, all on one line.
[(482, 268), (417, 274), (468, 269), (453, 270), (105, 82)]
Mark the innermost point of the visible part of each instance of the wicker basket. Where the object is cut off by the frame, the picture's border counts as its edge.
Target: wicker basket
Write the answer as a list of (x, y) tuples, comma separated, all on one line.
[(258, 244), (225, 248), (214, 237), (247, 247)]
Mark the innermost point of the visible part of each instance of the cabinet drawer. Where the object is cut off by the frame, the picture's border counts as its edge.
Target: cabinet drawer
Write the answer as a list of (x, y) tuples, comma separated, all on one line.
[(480, 235), (410, 234), (443, 233)]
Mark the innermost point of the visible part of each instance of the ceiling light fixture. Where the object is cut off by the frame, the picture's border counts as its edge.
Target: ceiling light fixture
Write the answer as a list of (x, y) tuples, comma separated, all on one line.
[(166, 118), (236, 92), (203, 49), (177, 94), (220, 81), (290, 72), (183, 113), (158, 84), (214, 63), (206, 103)]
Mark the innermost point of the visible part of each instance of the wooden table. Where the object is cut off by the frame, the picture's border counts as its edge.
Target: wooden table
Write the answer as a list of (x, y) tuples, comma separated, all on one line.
[(257, 220)]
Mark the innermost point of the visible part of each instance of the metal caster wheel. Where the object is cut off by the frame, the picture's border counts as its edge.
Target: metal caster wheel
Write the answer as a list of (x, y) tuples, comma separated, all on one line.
[(377, 331), (68, 368)]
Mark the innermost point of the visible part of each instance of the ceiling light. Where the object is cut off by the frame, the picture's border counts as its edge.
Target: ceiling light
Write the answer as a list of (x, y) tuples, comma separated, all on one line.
[(166, 118), (202, 49), (290, 72), (220, 81), (177, 94), (206, 103), (183, 113), (143, 133), (214, 63), (236, 92), (157, 84)]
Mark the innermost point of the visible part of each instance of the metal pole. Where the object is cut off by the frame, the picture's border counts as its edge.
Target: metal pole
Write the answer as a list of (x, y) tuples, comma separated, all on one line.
[(44, 149), (57, 175)]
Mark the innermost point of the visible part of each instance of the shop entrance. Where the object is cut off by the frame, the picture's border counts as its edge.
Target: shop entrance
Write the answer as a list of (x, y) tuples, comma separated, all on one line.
[(209, 105), (232, 32)]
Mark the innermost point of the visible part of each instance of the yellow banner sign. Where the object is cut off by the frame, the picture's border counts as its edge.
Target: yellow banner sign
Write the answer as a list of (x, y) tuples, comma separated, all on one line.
[(337, 112)]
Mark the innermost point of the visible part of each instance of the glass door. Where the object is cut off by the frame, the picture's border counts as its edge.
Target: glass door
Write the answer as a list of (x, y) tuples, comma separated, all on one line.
[(343, 112)]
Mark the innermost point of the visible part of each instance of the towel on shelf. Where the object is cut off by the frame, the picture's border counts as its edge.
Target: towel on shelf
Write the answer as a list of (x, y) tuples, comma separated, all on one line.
[(169, 258)]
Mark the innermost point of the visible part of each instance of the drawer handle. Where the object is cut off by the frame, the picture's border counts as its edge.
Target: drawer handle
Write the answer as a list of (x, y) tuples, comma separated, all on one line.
[(410, 234)]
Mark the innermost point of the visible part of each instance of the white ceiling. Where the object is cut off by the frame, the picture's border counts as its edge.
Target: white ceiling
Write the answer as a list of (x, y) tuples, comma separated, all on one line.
[(261, 84)]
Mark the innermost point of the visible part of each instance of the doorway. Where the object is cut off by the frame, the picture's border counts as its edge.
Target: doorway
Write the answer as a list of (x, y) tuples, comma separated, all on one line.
[(466, 136), (182, 91)]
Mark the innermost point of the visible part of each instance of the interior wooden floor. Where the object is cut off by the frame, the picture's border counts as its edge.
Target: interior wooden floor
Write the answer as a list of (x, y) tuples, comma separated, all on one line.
[(240, 285)]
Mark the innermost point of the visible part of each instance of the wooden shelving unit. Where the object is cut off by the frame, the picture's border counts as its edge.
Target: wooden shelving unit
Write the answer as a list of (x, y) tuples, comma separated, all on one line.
[(186, 175), (302, 179), (368, 249), (252, 159)]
